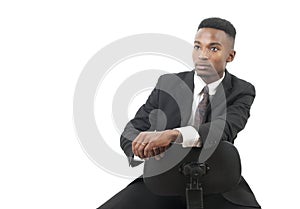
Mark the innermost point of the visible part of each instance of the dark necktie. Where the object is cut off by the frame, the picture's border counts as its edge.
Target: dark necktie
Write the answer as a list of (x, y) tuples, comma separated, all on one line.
[(201, 109)]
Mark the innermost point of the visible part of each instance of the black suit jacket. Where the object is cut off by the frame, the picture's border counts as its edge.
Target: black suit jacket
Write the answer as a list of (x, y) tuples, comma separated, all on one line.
[(169, 106)]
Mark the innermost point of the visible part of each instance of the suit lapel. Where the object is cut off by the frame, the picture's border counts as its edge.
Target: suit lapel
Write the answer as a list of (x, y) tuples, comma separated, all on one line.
[(222, 90), (184, 96)]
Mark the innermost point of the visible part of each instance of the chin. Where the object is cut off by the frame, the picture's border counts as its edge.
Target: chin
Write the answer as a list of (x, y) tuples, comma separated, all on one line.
[(203, 73)]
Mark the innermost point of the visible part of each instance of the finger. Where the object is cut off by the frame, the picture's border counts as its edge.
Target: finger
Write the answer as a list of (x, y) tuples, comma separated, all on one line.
[(149, 149), (137, 142), (151, 145), (136, 149), (140, 149), (148, 153), (157, 157), (134, 145), (162, 152), (151, 153), (156, 150)]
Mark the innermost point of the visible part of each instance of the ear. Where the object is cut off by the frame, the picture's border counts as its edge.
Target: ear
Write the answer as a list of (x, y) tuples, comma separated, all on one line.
[(231, 56)]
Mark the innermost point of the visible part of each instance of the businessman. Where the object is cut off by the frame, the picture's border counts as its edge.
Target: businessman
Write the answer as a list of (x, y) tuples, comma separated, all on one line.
[(192, 121)]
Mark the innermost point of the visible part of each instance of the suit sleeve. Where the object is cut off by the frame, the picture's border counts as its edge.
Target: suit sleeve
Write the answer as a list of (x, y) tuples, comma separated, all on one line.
[(234, 119), (141, 122)]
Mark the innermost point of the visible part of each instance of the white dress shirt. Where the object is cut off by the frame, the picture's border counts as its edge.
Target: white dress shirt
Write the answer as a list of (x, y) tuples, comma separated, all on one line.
[(189, 134)]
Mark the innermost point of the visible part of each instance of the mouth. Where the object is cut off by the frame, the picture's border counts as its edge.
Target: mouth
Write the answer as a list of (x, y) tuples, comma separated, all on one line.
[(202, 66)]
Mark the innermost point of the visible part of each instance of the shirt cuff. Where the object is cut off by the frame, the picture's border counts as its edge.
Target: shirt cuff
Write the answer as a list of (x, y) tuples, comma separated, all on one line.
[(190, 136)]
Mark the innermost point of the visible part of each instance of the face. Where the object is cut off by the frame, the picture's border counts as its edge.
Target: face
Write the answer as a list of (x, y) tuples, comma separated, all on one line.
[(213, 49)]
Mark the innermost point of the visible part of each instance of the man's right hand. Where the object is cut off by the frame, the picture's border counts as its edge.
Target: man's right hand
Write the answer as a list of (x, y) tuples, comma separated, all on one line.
[(149, 144)]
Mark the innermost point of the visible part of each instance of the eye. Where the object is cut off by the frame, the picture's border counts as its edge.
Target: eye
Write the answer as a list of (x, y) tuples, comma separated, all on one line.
[(214, 49), (196, 47)]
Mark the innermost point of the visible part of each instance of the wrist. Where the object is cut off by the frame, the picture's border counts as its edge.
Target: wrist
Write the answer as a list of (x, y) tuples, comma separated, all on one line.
[(176, 136)]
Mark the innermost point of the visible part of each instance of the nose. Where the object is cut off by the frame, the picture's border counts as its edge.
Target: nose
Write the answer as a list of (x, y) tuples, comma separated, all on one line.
[(203, 54)]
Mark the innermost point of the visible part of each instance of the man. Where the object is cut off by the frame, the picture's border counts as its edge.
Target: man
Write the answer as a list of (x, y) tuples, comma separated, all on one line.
[(190, 119)]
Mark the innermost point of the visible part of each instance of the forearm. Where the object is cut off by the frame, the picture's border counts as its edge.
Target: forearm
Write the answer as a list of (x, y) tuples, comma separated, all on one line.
[(223, 127)]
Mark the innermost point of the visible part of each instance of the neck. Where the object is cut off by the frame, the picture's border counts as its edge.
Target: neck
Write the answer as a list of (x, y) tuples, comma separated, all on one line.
[(211, 79)]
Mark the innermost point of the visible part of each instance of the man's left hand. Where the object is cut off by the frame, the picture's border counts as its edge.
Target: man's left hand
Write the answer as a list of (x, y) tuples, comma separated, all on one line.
[(148, 144)]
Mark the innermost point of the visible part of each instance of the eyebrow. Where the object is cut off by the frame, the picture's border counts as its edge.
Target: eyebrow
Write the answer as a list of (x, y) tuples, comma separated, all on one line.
[(213, 43)]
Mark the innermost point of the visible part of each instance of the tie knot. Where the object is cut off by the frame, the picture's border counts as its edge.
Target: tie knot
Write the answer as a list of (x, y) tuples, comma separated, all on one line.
[(204, 90)]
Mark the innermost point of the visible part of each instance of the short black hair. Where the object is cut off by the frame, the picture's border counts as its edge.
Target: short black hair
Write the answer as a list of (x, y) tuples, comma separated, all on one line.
[(220, 24)]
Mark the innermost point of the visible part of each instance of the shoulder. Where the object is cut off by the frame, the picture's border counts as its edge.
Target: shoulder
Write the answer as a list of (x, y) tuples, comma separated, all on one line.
[(172, 81), (173, 76), (241, 85)]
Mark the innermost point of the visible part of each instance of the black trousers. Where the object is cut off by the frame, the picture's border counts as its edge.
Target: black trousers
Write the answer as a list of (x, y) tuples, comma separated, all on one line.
[(137, 196)]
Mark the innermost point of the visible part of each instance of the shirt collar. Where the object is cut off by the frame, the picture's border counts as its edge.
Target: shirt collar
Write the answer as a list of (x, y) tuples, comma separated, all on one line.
[(212, 87)]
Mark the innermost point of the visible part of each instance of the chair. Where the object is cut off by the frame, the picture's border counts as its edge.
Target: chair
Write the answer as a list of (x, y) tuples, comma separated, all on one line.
[(180, 172)]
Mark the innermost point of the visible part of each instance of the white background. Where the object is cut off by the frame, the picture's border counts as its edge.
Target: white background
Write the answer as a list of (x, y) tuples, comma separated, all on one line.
[(44, 46)]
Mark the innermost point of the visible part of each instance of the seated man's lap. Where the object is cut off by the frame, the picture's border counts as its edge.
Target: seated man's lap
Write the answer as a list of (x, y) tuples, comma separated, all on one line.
[(137, 196)]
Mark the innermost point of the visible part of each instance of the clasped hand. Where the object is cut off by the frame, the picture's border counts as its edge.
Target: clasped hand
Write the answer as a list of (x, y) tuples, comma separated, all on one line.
[(148, 144)]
